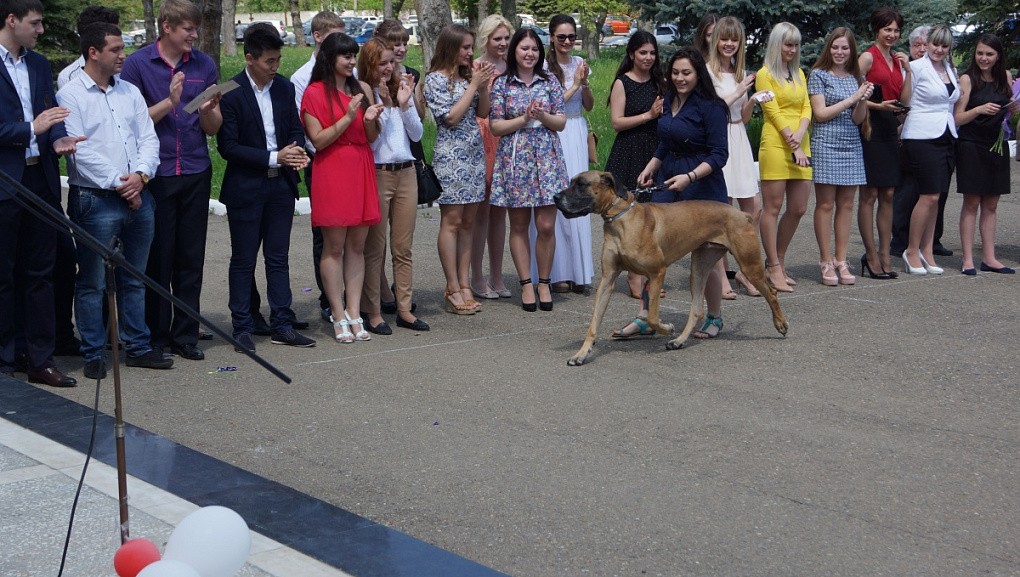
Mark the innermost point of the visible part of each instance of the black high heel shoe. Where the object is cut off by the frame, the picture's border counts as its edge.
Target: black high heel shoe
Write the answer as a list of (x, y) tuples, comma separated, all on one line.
[(880, 276), (545, 305), (528, 307)]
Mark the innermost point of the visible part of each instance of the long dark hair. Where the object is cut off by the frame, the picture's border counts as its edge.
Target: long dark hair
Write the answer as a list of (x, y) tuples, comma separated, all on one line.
[(998, 71), (637, 40), (554, 23), (511, 53), (701, 35), (826, 63), (705, 88), (325, 69)]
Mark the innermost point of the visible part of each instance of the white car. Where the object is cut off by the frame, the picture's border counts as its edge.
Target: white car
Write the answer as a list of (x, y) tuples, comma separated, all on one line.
[(665, 33), (278, 24), (137, 35)]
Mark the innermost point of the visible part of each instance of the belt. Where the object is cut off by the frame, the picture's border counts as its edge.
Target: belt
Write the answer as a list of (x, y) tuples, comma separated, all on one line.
[(688, 154), (102, 192), (272, 173), (394, 166), (574, 115), (32, 161), (736, 122)]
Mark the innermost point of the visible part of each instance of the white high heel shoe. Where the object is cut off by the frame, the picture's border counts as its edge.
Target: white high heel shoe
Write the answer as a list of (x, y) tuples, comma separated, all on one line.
[(918, 271), (930, 268), (345, 336)]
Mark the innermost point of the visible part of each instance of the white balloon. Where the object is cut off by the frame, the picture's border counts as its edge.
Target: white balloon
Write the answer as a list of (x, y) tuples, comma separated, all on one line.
[(168, 568), (214, 541)]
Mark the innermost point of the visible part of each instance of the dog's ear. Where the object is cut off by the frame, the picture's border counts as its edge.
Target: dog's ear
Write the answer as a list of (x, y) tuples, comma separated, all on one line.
[(609, 180)]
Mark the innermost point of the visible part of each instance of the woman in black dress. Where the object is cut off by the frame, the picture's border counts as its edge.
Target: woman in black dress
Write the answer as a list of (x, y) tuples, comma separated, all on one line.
[(982, 155), (635, 104)]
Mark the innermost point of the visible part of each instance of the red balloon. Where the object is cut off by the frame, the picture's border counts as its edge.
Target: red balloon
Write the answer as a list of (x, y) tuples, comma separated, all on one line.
[(134, 556)]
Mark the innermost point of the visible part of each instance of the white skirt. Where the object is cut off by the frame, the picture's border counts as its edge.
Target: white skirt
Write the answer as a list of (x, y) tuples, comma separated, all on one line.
[(572, 260), (739, 171)]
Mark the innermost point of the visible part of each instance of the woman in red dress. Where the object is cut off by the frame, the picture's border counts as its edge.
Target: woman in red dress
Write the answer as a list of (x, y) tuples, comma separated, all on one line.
[(340, 123)]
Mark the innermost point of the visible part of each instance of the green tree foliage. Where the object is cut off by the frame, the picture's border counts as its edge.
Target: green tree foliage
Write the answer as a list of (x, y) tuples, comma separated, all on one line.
[(998, 17), (815, 19)]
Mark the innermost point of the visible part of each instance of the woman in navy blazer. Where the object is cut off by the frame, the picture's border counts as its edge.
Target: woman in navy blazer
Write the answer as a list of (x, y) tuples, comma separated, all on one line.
[(928, 136)]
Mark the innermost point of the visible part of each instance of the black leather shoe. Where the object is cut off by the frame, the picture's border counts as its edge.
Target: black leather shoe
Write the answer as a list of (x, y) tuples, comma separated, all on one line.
[(70, 348), (379, 329), (205, 335), (190, 352), (151, 360), (298, 325), (261, 326), (52, 377), (293, 339), (388, 308), (417, 325), (939, 250), (95, 369), (325, 313), (246, 342)]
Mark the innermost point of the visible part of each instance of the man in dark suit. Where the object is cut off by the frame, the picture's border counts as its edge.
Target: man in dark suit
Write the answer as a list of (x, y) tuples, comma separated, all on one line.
[(32, 135), (262, 140)]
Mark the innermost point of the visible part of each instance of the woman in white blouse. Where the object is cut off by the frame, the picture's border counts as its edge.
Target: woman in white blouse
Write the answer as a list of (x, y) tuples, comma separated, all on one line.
[(928, 136), (397, 184)]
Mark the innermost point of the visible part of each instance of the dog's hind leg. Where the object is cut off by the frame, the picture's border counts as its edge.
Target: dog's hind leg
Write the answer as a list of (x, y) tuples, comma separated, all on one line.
[(748, 256), (610, 272), (703, 259)]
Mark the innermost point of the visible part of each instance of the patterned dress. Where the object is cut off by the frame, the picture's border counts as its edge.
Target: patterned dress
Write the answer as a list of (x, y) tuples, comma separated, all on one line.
[(838, 157), (529, 162), (459, 155)]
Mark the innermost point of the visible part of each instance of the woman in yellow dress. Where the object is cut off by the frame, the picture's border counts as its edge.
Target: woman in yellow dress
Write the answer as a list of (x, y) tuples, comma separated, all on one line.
[(784, 157)]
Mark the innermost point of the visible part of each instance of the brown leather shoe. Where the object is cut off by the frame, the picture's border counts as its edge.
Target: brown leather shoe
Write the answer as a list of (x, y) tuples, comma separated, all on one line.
[(52, 377)]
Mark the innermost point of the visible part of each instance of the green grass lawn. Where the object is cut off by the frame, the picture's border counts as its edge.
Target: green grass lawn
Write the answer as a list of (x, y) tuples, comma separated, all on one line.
[(603, 71)]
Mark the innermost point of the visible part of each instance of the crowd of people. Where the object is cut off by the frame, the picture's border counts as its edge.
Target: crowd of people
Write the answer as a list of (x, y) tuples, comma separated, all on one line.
[(511, 133)]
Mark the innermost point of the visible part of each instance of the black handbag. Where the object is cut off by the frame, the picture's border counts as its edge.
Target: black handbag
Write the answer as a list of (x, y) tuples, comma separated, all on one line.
[(429, 189)]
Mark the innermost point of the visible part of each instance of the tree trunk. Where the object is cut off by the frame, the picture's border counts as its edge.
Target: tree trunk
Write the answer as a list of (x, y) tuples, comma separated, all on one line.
[(483, 10), (397, 8), (150, 21), (510, 12), (227, 35), (295, 19), (387, 9), (208, 40), (433, 16), (591, 33)]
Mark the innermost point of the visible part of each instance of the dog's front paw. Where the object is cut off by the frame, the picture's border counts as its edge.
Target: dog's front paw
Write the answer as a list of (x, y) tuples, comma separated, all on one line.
[(577, 360), (675, 344), (666, 328)]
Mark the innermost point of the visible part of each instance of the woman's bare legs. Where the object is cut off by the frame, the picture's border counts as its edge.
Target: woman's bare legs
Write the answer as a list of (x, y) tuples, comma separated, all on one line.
[(797, 193), (451, 227), (922, 230), (545, 247), (520, 249), (331, 267), (496, 243), (884, 222), (354, 272), (479, 233), (773, 193)]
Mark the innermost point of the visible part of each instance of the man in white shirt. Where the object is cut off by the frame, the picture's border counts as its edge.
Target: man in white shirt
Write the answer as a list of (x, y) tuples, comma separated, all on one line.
[(90, 15), (108, 198)]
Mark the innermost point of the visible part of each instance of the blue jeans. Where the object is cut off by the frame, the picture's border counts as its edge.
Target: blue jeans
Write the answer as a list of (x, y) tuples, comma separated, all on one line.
[(105, 215)]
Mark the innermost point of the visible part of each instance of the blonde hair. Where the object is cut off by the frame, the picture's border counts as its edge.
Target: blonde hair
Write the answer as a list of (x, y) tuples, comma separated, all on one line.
[(728, 28), (177, 12), (782, 34), (488, 27)]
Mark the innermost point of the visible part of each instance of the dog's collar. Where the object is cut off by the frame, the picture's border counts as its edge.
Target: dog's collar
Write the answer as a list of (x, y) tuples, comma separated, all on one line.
[(619, 214)]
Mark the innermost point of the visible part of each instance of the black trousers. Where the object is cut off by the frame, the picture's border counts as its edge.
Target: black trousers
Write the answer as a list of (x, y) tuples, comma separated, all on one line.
[(177, 256), (255, 298), (27, 252)]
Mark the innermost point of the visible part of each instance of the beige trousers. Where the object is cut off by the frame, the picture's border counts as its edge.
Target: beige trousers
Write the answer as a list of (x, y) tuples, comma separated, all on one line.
[(398, 203)]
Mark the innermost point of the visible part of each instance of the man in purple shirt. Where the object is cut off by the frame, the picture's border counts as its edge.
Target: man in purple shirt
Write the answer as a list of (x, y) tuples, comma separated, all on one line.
[(170, 73)]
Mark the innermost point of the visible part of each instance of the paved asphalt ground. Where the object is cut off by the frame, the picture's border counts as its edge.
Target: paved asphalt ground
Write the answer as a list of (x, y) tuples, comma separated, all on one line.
[(879, 438)]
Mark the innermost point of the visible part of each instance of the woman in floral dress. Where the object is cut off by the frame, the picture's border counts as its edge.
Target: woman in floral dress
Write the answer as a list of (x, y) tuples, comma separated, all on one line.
[(456, 94), (527, 111)]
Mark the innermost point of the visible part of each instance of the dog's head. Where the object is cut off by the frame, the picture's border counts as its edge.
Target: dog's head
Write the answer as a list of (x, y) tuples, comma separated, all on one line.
[(590, 191)]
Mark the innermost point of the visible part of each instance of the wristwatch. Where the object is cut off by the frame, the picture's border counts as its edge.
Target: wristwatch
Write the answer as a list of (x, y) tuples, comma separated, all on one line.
[(145, 178)]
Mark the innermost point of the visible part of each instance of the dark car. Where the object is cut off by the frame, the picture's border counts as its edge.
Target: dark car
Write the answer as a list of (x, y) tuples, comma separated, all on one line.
[(366, 34)]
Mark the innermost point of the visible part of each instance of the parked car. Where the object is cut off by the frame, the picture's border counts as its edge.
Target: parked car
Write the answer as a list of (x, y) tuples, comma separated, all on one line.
[(619, 24), (278, 24), (353, 25), (666, 33), (543, 35), (412, 34), (366, 34)]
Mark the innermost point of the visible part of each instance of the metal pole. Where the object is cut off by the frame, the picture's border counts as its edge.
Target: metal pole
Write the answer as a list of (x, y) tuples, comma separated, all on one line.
[(118, 427)]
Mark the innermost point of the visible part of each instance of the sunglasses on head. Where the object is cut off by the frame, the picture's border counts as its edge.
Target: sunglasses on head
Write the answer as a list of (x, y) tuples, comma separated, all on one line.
[(565, 37)]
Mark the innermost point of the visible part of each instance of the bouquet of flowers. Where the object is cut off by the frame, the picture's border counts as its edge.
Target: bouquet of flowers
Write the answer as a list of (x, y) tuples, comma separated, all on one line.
[(1004, 130)]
